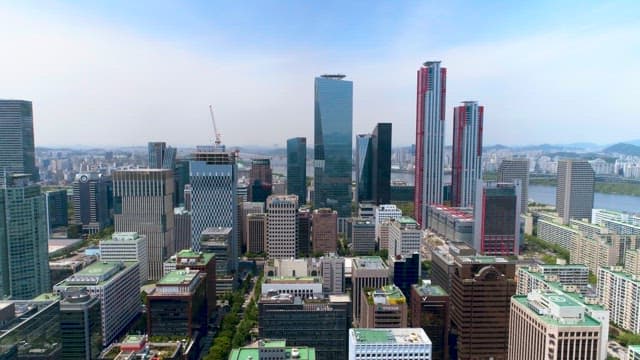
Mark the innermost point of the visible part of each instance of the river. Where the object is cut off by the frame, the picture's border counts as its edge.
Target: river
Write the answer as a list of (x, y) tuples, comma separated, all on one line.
[(547, 195)]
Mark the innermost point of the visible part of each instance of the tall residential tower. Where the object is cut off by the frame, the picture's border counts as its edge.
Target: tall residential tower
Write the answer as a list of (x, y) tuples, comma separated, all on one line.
[(467, 153), (430, 115), (574, 193)]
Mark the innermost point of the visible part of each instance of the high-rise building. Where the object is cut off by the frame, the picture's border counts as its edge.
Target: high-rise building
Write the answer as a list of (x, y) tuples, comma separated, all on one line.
[(618, 292), (24, 257), (80, 326), (247, 208), (333, 143), (367, 272), (203, 262), (127, 246), (405, 271), (182, 228), (332, 268), (405, 237), (282, 213), (536, 276), (385, 213), (466, 169), (57, 208), (260, 180), (551, 325), (320, 323), (143, 203), (17, 150), (297, 168), (497, 218), (181, 176), (303, 232), (383, 344), (516, 169), (574, 193), (161, 156), (256, 233), (430, 311), (178, 304), (481, 290), (92, 205), (117, 285), (383, 308), (363, 236), (214, 198), (373, 161), (633, 352), (443, 262), (324, 231), (430, 110)]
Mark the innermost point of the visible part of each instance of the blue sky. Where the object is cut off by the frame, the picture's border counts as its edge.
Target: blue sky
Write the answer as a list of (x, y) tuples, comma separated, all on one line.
[(127, 72)]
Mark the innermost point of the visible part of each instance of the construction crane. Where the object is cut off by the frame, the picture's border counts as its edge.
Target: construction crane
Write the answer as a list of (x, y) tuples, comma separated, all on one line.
[(218, 139)]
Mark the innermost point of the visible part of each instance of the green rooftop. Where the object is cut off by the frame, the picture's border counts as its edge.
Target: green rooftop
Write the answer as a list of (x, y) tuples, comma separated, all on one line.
[(305, 353), (132, 339), (365, 336), (46, 297), (429, 290), (178, 277), (96, 274), (274, 343), (406, 220), (275, 279)]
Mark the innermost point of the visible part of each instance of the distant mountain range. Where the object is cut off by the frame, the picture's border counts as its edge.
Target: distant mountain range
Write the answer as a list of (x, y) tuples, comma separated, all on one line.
[(623, 148)]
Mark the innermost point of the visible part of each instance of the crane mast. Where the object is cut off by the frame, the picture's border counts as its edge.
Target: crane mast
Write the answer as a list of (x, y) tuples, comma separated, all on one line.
[(218, 139)]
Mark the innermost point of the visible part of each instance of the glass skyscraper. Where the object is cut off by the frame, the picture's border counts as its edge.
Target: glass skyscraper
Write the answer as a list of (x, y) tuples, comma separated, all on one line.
[(297, 168), (24, 262), (17, 151), (333, 137), (373, 165), (363, 167)]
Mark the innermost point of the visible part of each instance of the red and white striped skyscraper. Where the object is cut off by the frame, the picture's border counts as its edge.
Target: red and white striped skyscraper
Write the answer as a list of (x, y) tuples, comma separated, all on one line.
[(467, 153), (430, 111)]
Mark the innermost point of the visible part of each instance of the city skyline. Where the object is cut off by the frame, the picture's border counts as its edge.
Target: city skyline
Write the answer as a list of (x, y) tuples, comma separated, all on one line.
[(147, 73)]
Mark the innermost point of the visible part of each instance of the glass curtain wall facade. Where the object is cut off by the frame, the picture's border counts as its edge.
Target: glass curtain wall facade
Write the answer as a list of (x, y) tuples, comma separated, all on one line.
[(17, 150), (363, 171), (297, 168), (333, 134)]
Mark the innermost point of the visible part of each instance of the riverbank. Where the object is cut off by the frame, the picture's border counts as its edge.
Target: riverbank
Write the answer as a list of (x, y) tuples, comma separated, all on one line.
[(615, 188)]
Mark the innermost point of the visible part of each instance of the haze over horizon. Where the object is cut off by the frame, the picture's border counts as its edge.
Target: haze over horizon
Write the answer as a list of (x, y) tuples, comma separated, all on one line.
[(124, 73)]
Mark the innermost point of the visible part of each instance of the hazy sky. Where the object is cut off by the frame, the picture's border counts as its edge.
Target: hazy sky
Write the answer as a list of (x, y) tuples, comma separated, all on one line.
[(128, 72)]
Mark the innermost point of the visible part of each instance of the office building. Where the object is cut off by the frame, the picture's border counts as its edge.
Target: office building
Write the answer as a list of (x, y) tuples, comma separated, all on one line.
[(127, 246), (247, 208), (324, 231), (551, 325), (333, 278), (80, 333), (574, 193), (405, 237), (497, 219), (214, 198), (466, 169), (282, 211), (383, 308), (383, 344), (143, 203), (481, 290), (333, 143), (381, 174), (24, 260), (181, 176), (92, 204), (216, 241), (31, 328), (320, 323), (297, 168), (364, 172), (430, 119), (516, 169), (17, 150), (619, 293), (363, 236), (260, 180), (367, 211), (301, 286), (451, 224), (57, 208), (256, 233), (430, 311), (384, 213), (405, 271), (443, 264), (116, 284), (181, 228), (367, 272), (303, 232), (273, 350), (305, 267), (161, 156), (178, 304), (203, 262)]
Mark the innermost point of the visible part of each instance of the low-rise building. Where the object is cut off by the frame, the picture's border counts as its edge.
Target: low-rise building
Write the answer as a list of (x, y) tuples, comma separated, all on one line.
[(203, 262), (450, 223), (301, 286), (385, 307), (384, 344)]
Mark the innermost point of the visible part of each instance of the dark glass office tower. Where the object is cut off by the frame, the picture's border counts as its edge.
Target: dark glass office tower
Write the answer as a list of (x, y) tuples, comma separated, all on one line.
[(17, 151), (381, 174), (80, 329), (161, 156), (363, 168), (297, 168), (333, 143)]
